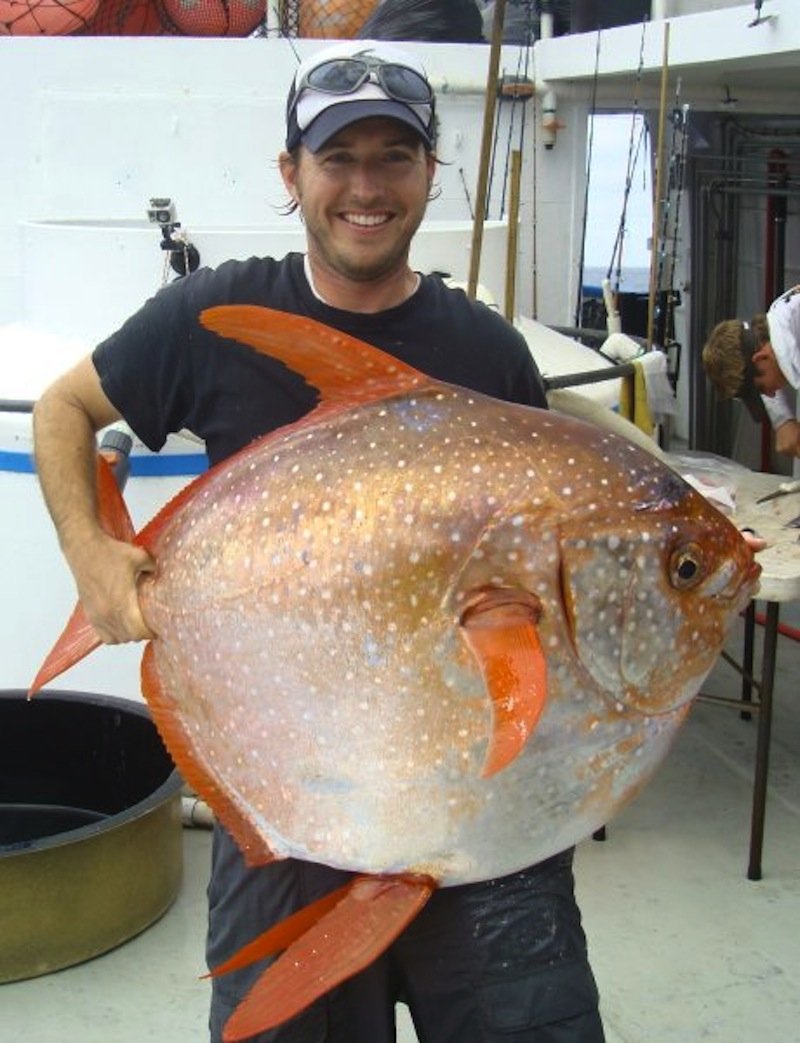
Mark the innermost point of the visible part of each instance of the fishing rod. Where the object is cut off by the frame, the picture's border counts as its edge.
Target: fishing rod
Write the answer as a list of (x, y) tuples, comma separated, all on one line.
[(665, 290), (490, 174), (488, 123), (659, 181), (535, 209), (517, 90), (680, 123), (633, 159)]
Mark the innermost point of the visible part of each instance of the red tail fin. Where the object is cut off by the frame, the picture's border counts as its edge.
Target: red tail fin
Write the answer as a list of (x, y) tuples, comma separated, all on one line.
[(281, 936), (372, 913), (78, 638)]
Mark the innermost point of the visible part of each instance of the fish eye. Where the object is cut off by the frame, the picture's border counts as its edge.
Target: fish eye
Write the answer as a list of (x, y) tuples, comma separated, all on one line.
[(686, 566)]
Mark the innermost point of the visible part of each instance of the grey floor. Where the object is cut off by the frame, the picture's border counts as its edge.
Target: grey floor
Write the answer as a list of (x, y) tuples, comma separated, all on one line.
[(684, 947)]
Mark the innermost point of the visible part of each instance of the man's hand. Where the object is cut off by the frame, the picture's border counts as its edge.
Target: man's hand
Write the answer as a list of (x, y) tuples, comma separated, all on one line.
[(107, 571), (787, 438), (107, 574), (755, 543)]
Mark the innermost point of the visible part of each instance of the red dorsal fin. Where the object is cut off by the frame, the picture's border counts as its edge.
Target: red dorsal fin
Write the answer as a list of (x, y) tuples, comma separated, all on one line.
[(78, 638), (362, 925), (500, 626), (344, 370)]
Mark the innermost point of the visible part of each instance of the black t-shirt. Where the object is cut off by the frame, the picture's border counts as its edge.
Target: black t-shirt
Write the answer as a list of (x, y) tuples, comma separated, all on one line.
[(164, 372)]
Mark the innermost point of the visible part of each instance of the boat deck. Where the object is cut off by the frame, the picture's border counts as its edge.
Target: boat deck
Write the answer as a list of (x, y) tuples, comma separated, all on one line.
[(684, 947)]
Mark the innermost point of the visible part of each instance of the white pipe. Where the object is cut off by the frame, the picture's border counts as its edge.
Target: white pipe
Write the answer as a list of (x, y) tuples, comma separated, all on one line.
[(550, 124), (196, 814), (273, 17), (613, 320)]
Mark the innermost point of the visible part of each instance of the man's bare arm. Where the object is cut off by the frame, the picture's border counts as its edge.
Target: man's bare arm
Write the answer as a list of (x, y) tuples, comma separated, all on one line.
[(66, 419), (787, 438)]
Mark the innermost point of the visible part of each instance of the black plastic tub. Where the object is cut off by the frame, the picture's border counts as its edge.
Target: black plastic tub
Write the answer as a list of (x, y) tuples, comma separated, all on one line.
[(90, 828)]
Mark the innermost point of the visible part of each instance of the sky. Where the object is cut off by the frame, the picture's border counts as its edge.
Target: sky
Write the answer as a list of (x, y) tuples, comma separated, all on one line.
[(611, 143)]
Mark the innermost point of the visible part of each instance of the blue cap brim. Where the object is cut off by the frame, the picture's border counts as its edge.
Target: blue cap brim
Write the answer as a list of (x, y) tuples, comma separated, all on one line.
[(342, 113)]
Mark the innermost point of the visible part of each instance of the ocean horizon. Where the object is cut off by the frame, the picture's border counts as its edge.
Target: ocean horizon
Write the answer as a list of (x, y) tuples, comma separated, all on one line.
[(632, 280)]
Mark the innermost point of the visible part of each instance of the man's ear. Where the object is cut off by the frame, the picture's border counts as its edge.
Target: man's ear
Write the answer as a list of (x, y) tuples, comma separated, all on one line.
[(287, 164)]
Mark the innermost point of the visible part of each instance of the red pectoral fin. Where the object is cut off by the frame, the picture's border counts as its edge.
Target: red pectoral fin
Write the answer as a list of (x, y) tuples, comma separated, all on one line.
[(501, 628), (372, 913), (77, 640), (78, 637)]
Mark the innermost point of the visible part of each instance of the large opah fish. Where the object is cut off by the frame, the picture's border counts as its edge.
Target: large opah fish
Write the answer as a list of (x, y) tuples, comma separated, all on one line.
[(422, 634)]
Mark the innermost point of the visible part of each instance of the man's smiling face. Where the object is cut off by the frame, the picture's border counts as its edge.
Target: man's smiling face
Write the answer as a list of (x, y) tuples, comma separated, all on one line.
[(362, 196)]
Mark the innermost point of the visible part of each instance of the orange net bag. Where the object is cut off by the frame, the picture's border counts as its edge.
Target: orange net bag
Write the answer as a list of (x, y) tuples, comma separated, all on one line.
[(44, 17), (127, 18), (215, 17), (333, 19)]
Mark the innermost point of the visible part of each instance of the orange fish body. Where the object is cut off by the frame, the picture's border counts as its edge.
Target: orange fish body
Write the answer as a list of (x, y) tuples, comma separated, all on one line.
[(421, 634)]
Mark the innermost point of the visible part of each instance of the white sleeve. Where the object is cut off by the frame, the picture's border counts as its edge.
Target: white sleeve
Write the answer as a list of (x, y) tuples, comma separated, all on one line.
[(783, 319)]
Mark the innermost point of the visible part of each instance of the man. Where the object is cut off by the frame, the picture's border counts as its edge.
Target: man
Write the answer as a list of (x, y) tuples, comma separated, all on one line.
[(491, 961), (759, 361)]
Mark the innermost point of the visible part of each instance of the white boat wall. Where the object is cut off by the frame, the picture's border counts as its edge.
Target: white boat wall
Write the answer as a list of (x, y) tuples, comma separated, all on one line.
[(97, 127)]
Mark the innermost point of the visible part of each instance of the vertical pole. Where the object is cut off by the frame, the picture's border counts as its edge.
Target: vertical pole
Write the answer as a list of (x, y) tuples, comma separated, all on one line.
[(763, 741), (513, 233)]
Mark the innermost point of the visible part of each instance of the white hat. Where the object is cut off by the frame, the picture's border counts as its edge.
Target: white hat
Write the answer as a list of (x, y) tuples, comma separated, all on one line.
[(315, 113)]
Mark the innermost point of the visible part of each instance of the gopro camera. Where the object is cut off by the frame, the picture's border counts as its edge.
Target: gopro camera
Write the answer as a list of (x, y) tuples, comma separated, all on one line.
[(161, 211)]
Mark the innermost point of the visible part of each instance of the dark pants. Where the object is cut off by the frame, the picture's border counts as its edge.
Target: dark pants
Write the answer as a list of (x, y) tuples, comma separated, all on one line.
[(503, 961)]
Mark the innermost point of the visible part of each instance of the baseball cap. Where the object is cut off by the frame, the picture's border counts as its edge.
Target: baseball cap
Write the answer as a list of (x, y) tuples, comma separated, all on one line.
[(352, 81)]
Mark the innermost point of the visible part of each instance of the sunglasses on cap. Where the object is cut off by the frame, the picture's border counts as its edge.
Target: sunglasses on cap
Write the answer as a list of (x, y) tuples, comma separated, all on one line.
[(347, 75)]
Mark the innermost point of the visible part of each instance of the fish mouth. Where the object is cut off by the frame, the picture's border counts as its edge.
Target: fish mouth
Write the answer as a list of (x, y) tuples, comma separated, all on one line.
[(728, 582), (749, 585), (735, 584)]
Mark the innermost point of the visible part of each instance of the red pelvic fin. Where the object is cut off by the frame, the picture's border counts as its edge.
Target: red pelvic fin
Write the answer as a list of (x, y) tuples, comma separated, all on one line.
[(78, 638), (500, 626), (176, 738), (346, 371), (362, 925)]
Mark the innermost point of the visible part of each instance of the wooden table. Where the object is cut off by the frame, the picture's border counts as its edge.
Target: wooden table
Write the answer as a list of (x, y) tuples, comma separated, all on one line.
[(780, 582)]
